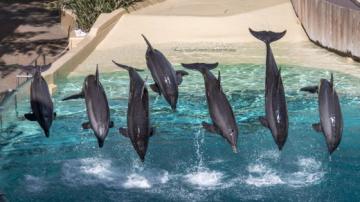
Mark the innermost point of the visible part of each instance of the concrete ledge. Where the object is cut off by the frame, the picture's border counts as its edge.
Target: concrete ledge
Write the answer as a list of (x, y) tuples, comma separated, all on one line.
[(105, 22), (330, 25)]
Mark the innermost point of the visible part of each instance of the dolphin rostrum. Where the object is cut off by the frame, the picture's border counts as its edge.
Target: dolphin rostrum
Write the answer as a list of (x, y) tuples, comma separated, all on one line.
[(138, 120), (97, 107), (331, 121), (165, 77), (41, 104), (276, 114), (220, 109)]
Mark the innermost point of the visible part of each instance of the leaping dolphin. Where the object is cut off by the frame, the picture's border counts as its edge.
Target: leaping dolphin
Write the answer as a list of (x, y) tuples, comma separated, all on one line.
[(41, 104), (276, 115), (331, 121), (220, 109), (97, 107), (138, 121), (165, 77)]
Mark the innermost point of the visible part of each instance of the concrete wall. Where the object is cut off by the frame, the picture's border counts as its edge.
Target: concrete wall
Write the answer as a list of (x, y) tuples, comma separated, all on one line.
[(105, 22), (330, 25)]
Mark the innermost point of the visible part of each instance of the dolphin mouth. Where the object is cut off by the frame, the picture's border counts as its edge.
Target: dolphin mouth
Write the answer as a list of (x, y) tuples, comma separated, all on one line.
[(234, 148)]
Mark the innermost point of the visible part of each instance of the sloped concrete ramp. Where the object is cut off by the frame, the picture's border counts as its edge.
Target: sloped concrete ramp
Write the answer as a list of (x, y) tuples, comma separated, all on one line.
[(209, 31)]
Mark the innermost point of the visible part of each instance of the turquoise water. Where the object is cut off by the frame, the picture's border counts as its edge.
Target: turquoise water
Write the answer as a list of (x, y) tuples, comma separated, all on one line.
[(185, 163)]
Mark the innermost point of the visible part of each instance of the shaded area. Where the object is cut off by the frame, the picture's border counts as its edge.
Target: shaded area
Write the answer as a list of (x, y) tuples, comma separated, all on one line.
[(28, 29)]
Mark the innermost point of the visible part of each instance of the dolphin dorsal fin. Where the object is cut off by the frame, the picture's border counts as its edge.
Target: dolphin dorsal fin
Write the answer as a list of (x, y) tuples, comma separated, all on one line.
[(97, 74)]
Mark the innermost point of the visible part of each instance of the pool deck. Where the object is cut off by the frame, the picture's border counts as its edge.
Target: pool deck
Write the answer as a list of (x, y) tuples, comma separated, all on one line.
[(208, 31)]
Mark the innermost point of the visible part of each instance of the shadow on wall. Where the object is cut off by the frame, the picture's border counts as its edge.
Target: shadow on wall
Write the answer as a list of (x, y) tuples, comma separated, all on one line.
[(34, 20)]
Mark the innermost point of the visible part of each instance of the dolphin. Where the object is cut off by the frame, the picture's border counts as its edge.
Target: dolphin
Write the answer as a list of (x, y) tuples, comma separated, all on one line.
[(276, 114), (220, 109), (41, 104), (138, 121), (97, 107), (165, 77), (331, 121)]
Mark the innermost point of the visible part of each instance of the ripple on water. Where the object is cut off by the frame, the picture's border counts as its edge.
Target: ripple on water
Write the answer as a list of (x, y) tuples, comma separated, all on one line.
[(309, 172), (205, 178), (93, 171), (34, 184)]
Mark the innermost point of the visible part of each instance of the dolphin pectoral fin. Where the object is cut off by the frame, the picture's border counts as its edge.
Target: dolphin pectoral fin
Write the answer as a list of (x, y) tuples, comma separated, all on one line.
[(75, 96), (111, 124), (179, 75), (209, 127), (310, 89), (155, 88), (263, 121), (317, 127), (30, 116), (152, 131), (86, 125), (124, 132)]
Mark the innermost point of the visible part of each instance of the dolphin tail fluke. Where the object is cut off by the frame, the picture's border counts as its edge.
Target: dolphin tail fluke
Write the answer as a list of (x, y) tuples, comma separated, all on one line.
[(202, 67), (310, 89), (148, 43), (75, 96), (128, 68), (267, 36)]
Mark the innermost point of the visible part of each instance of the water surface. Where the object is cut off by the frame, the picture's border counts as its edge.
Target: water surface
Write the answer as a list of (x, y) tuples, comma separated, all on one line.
[(184, 162)]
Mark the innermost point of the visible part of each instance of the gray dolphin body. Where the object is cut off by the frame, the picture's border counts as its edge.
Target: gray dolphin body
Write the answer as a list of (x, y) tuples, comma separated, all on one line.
[(97, 107), (138, 120), (41, 104), (165, 77), (331, 121), (220, 109), (276, 114)]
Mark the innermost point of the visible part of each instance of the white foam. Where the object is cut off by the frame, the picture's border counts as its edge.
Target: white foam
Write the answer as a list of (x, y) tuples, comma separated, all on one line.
[(270, 154), (204, 178), (97, 167), (261, 176), (164, 178), (34, 184), (137, 181), (309, 173), (88, 171)]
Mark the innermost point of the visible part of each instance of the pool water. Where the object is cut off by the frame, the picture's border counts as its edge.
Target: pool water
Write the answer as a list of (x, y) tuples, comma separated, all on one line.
[(184, 162)]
